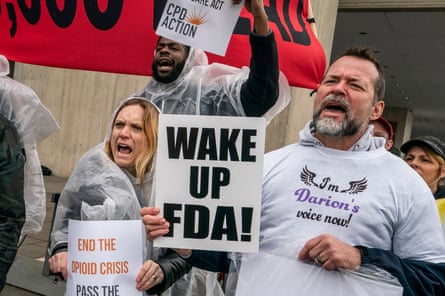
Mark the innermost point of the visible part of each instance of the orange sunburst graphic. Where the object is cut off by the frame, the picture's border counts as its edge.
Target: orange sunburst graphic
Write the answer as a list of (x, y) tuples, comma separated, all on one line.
[(196, 18)]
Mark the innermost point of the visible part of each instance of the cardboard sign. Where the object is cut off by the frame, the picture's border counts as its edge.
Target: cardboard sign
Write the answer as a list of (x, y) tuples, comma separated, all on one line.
[(104, 257), (208, 181)]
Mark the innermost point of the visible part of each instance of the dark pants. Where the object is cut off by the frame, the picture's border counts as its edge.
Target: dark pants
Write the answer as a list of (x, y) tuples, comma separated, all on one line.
[(12, 204)]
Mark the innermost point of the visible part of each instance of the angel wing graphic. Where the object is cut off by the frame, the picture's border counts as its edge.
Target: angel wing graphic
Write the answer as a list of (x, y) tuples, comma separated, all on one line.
[(308, 177), (357, 186)]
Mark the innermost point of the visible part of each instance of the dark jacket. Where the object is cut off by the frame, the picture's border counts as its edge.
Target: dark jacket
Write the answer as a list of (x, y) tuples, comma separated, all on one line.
[(174, 267), (12, 203), (440, 193), (416, 277)]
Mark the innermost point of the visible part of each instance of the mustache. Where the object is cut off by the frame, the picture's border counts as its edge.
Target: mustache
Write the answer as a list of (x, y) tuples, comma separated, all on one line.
[(337, 100), (333, 99)]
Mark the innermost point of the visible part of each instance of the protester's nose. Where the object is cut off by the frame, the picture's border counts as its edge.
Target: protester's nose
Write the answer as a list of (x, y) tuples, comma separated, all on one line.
[(339, 88), (414, 163), (163, 49), (125, 132)]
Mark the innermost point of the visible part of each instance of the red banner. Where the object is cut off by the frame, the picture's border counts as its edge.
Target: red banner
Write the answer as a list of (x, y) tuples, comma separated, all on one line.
[(118, 36)]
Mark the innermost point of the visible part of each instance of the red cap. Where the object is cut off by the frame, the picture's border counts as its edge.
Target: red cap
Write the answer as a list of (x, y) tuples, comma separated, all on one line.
[(387, 126)]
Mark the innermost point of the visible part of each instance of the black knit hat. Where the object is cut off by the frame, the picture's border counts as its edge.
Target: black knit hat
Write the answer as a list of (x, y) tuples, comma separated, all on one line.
[(434, 143)]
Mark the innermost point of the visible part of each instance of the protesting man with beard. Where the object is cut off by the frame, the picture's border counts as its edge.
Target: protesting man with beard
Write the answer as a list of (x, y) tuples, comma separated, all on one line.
[(331, 200), (184, 83)]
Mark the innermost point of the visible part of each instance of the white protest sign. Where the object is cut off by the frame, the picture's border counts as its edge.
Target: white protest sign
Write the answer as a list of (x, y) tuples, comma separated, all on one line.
[(204, 24), (104, 257), (208, 181)]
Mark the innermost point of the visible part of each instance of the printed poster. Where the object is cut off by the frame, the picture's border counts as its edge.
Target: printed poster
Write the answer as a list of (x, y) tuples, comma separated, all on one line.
[(204, 24), (104, 257), (208, 181)]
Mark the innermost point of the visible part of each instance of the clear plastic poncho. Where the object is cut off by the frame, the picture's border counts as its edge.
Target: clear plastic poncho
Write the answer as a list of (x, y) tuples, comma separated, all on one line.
[(203, 89), (98, 189), (21, 105)]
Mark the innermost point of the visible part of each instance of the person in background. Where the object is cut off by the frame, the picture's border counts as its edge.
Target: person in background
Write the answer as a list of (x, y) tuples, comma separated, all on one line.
[(382, 128), (339, 169), (12, 210), (24, 121), (426, 155), (184, 83), (113, 181)]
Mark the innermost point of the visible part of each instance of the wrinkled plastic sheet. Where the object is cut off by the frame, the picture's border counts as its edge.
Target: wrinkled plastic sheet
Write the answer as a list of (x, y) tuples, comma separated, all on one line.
[(267, 274)]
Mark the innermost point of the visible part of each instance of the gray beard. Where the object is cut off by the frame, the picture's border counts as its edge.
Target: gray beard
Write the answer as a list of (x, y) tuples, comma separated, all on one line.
[(329, 127)]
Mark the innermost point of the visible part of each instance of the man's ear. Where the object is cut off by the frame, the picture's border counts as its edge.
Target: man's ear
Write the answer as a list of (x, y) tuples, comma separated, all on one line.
[(377, 110)]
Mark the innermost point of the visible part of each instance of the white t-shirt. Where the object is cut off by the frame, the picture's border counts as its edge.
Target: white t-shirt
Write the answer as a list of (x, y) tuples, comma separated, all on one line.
[(367, 197)]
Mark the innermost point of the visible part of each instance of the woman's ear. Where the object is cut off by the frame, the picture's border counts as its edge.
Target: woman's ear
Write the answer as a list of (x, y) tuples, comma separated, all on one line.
[(442, 171)]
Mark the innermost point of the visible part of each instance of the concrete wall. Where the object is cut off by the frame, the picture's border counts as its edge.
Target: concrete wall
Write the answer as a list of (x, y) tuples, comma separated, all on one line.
[(82, 102)]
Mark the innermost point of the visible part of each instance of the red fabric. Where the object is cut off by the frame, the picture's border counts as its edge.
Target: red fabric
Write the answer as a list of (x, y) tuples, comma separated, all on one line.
[(118, 36)]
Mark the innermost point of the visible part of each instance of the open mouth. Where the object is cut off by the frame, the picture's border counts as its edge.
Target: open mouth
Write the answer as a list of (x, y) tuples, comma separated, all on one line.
[(165, 64), (332, 107), (124, 149), (335, 105)]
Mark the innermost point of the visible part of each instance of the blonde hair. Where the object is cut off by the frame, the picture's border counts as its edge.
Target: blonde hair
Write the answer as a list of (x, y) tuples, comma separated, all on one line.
[(145, 159), (437, 158)]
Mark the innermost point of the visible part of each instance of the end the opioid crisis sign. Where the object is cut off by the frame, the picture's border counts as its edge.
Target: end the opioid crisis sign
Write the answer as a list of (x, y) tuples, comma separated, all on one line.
[(208, 181), (104, 257)]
